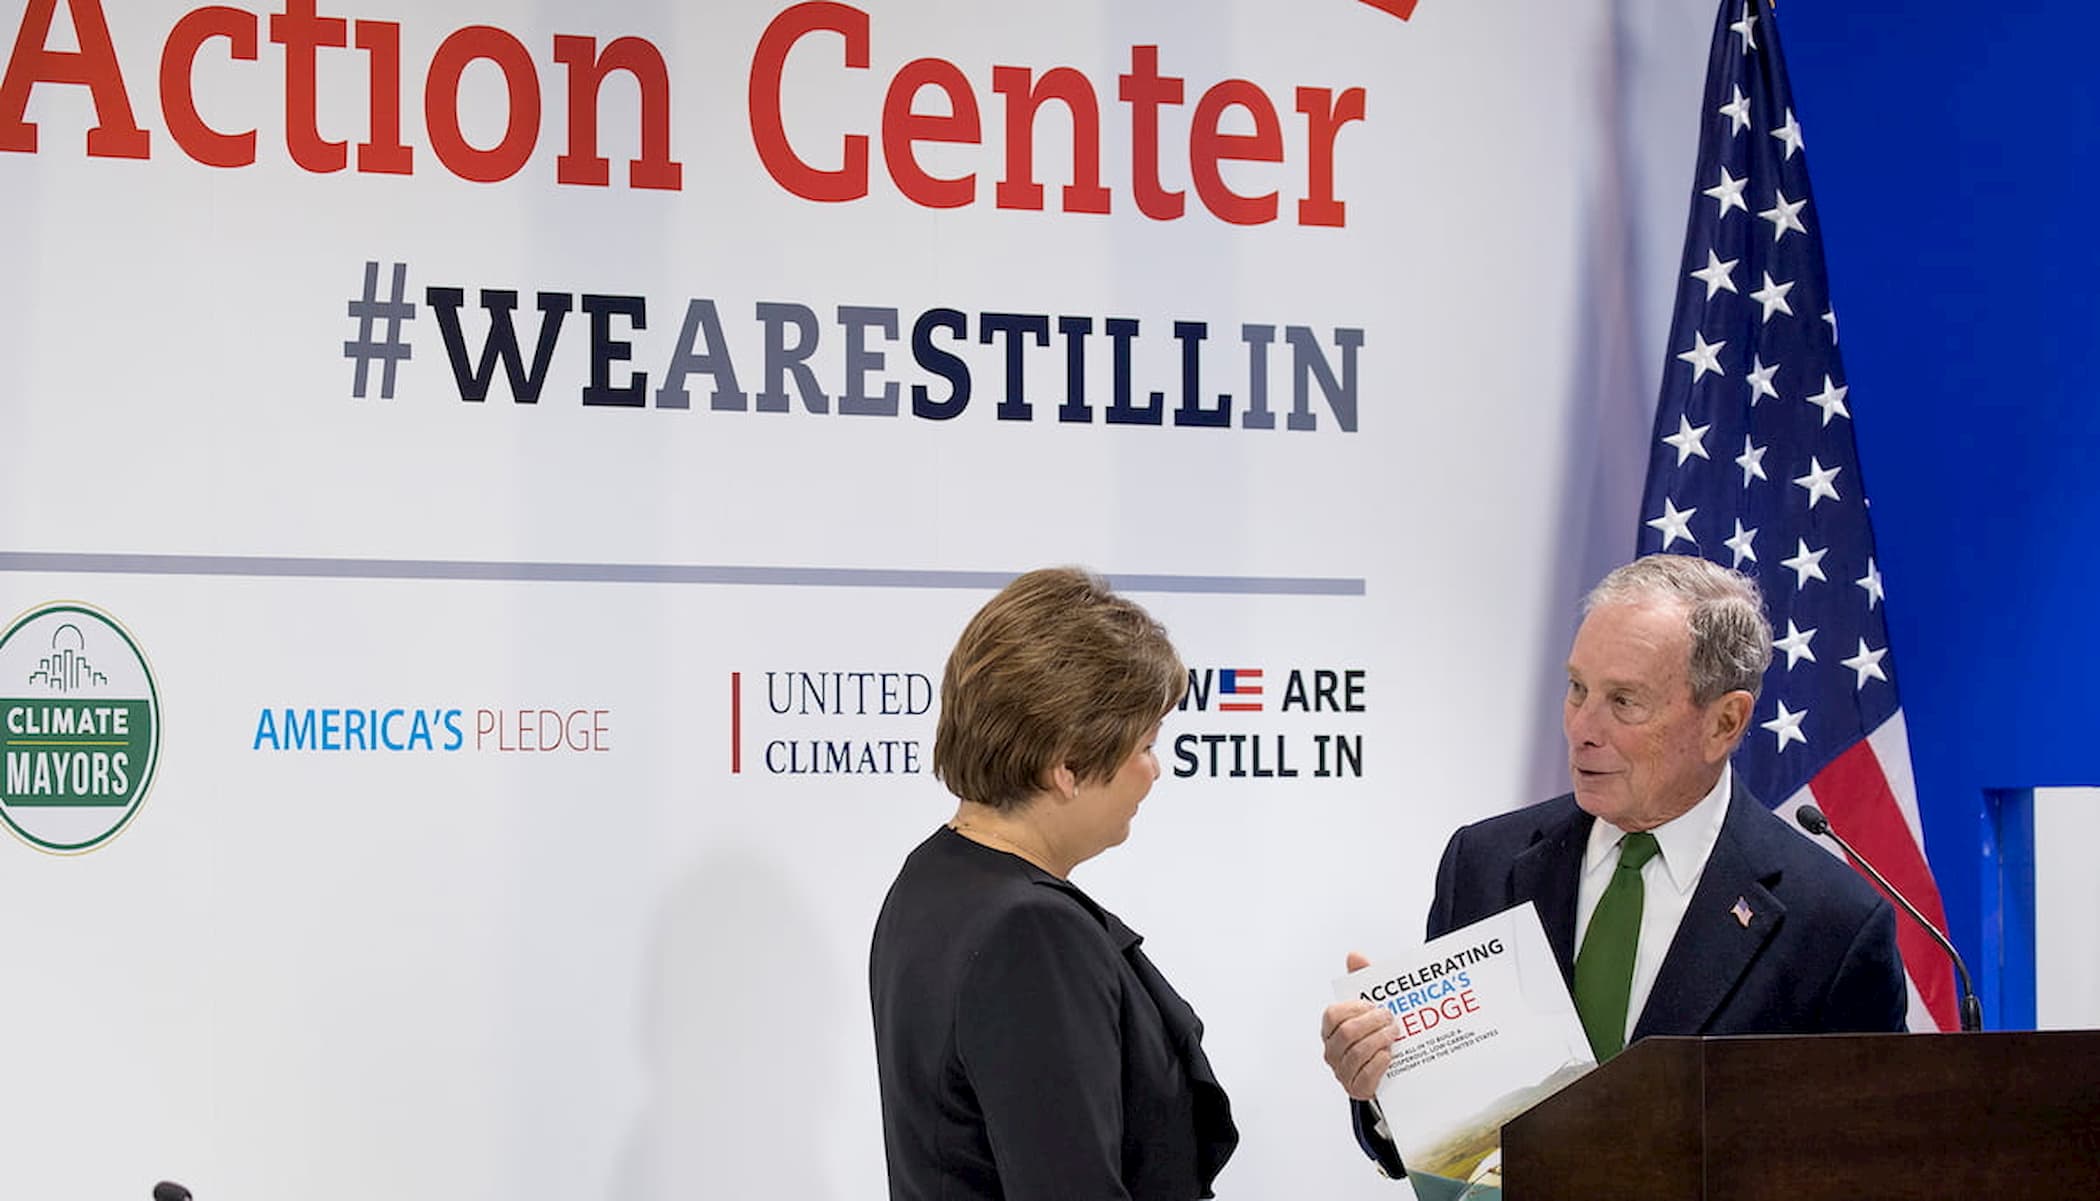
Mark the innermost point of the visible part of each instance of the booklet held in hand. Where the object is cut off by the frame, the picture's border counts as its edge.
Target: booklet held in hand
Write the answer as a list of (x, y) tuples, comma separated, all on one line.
[(1486, 1030)]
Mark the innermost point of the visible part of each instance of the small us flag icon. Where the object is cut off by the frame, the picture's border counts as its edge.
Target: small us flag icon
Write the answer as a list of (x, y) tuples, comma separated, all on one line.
[(1242, 685)]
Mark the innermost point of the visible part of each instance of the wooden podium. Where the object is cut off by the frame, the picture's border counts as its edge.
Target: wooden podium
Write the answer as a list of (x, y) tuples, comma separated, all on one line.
[(1828, 1116)]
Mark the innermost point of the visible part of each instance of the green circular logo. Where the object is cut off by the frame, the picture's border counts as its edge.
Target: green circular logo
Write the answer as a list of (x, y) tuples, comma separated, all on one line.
[(79, 727)]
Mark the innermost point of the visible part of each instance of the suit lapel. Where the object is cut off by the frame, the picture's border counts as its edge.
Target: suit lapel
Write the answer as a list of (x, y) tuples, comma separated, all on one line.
[(1547, 873), (1731, 916)]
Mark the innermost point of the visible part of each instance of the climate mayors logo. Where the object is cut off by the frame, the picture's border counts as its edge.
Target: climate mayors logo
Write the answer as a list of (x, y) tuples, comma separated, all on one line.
[(79, 727)]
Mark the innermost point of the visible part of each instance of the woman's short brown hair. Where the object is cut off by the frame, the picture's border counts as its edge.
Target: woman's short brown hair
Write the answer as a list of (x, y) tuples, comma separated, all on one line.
[(1055, 670)]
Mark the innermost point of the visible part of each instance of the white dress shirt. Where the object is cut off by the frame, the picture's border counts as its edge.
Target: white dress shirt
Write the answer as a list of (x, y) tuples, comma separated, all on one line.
[(1667, 881)]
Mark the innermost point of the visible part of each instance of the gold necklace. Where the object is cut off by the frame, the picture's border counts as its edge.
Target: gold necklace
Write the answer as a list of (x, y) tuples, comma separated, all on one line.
[(998, 842)]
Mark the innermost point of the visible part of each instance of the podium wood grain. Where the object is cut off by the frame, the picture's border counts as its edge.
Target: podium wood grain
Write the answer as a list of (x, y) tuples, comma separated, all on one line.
[(2012, 1114)]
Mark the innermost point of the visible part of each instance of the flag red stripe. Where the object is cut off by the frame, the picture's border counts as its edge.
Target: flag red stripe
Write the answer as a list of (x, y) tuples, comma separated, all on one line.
[(1856, 797)]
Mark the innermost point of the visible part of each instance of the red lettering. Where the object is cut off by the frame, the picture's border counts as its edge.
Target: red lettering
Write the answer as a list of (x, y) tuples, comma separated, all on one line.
[(541, 731), (115, 134), (1325, 114), (1208, 145), (178, 100), (302, 34), (769, 131), (521, 130), (1419, 1020), (1024, 98), (385, 153), (905, 127), (587, 71), (1145, 89), (902, 126)]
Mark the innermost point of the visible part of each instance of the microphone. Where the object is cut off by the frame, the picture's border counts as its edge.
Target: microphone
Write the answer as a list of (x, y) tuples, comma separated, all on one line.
[(1813, 821), (168, 1190)]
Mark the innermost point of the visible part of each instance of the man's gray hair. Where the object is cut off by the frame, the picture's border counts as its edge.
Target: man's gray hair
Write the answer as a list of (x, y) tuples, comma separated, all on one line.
[(1731, 640)]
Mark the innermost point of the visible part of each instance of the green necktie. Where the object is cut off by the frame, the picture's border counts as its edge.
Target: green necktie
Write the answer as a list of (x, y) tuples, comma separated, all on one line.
[(1604, 968)]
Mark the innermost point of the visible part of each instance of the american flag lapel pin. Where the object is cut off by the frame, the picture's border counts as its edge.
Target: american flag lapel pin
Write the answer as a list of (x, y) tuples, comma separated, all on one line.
[(1742, 913)]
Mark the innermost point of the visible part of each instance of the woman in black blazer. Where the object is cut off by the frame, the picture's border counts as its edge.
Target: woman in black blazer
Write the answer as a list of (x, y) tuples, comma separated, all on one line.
[(1026, 1048)]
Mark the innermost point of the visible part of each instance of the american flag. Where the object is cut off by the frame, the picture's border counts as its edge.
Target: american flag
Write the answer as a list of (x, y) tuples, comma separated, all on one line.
[(1243, 685), (1754, 466)]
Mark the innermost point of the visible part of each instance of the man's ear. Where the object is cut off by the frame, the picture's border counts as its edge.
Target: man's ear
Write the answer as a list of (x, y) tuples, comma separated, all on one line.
[(1728, 718)]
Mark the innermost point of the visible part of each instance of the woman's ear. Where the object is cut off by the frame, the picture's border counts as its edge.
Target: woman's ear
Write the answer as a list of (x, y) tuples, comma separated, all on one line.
[(1064, 782)]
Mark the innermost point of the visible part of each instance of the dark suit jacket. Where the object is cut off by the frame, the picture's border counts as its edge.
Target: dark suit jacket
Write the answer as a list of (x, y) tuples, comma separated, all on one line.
[(1026, 1048), (1818, 955)]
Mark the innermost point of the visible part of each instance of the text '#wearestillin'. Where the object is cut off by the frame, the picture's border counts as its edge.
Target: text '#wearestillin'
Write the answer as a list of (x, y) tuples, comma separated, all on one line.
[(843, 371)]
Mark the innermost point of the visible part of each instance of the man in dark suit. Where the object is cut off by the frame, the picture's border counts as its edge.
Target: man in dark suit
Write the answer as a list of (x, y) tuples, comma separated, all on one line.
[(1701, 912)]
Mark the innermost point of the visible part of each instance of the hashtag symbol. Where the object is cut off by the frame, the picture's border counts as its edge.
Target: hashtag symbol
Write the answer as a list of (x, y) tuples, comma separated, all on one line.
[(389, 350)]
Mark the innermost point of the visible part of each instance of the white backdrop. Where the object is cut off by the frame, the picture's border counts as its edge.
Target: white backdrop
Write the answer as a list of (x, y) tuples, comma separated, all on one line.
[(638, 970), (2066, 895)]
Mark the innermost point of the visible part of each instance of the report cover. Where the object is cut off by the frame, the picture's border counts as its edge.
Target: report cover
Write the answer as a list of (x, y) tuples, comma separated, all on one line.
[(1487, 1030)]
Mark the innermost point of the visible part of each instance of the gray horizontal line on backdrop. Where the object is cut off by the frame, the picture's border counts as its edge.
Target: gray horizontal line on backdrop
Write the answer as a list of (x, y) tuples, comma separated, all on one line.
[(637, 573)]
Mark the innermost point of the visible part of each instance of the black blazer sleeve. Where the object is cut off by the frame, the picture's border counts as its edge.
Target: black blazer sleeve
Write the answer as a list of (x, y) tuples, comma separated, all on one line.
[(1377, 1146), (1443, 907)]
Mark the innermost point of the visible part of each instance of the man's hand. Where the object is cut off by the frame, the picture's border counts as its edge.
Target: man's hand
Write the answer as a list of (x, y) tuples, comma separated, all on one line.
[(1358, 1039)]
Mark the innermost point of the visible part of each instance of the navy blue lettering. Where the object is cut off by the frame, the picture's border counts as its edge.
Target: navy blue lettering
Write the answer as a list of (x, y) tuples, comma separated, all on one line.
[(948, 366), (1198, 695), (1185, 761), (1191, 335), (1074, 331), (1331, 691), (773, 700), (606, 350), (1014, 406), (1121, 330), (501, 344)]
